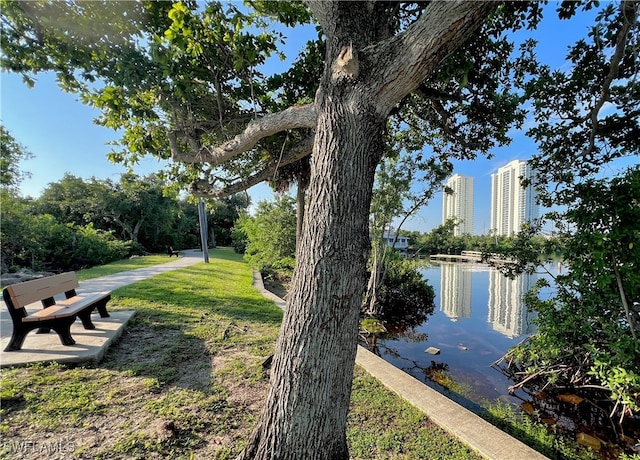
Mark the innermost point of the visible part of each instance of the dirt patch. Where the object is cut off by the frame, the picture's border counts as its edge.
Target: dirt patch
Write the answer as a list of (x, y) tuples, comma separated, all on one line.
[(159, 393)]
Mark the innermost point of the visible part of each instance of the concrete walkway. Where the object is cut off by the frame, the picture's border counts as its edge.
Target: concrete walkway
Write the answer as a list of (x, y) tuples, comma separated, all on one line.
[(463, 424), (91, 345)]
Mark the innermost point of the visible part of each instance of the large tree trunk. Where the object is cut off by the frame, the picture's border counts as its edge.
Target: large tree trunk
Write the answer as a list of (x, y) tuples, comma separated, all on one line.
[(306, 409), (300, 203)]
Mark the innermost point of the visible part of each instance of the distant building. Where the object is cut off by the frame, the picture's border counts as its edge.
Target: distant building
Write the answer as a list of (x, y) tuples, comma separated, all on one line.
[(512, 204), (401, 243), (459, 203)]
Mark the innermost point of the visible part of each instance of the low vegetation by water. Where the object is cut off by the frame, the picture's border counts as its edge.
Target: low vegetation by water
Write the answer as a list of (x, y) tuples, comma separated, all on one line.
[(186, 381)]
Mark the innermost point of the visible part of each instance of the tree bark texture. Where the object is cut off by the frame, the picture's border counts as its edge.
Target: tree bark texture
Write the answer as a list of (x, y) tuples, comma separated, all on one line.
[(306, 408), (301, 193)]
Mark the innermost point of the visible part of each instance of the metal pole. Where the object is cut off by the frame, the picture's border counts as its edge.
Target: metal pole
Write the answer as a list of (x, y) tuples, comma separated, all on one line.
[(203, 230)]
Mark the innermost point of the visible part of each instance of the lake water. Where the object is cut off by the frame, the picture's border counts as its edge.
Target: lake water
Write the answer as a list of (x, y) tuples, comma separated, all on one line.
[(478, 316)]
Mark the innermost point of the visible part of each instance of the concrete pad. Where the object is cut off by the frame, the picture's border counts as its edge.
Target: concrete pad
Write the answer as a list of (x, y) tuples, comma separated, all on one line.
[(91, 345), (112, 282)]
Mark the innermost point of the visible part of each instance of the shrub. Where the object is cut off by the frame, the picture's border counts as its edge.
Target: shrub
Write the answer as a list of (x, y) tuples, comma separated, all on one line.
[(97, 247), (239, 238), (588, 335), (271, 235), (404, 296)]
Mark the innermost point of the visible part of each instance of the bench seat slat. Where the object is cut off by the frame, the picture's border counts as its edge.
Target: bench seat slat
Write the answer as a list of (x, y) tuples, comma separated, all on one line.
[(55, 311), (45, 313), (83, 299)]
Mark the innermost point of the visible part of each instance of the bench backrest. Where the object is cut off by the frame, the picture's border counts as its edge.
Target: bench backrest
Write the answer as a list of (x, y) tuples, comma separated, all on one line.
[(43, 288)]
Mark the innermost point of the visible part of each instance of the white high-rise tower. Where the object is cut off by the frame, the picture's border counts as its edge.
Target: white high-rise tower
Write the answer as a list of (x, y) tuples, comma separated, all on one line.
[(459, 203), (512, 204)]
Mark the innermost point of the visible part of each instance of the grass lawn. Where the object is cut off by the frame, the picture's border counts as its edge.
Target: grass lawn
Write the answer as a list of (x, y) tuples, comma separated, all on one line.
[(186, 381), (122, 266)]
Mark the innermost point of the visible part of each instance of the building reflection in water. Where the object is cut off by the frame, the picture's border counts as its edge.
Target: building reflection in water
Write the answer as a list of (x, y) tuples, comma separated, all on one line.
[(507, 312), (455, 290)]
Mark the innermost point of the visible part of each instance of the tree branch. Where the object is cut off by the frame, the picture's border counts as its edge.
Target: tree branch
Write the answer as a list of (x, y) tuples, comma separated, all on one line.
[(176, 151), (441, 29), (433, 94), (623, 299), (302, 116), (629, 14), (203, 188)]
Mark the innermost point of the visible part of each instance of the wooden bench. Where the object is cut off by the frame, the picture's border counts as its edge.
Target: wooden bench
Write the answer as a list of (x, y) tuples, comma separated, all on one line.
[(58, 315), (171, 252)]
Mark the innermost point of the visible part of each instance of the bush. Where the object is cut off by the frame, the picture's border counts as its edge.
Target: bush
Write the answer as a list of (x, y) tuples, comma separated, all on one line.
[(51, 244), (97, 247), (404, 296), (270, 235), (589, 333), (137, 249), (239, 239)]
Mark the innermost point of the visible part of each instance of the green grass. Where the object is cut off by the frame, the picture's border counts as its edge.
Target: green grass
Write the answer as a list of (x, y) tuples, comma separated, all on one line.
[(384, 426), (122, 266), (186, 381)]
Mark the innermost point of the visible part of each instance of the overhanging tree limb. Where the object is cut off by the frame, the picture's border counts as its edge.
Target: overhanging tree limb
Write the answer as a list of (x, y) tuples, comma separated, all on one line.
[(628, 10), (301, 116), (422, 46), (301, 150)]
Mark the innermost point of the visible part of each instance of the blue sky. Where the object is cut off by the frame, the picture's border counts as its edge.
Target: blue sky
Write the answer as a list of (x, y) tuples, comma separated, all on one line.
[(59, 131)]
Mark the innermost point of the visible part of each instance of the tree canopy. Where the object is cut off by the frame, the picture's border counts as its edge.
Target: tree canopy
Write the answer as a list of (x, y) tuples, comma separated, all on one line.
[(11, 154), (180, 78)]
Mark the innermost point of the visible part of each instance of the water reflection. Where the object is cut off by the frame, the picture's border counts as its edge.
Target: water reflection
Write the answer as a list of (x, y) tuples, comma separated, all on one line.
[(479, 315), (507, 313), (455, 291)]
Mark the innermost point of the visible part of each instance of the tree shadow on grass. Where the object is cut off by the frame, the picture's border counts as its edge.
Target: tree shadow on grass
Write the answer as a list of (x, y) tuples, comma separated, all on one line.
[(167, 355), (175, 330)]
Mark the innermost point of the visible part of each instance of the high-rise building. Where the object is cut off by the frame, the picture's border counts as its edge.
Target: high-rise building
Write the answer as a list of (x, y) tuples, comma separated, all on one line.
[(512, 204), (459, 203)]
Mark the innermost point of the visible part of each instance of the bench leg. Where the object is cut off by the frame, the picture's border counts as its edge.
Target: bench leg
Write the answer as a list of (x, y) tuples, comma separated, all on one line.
[(102, 308), (85, 317), (63, 329), (17, 339)]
